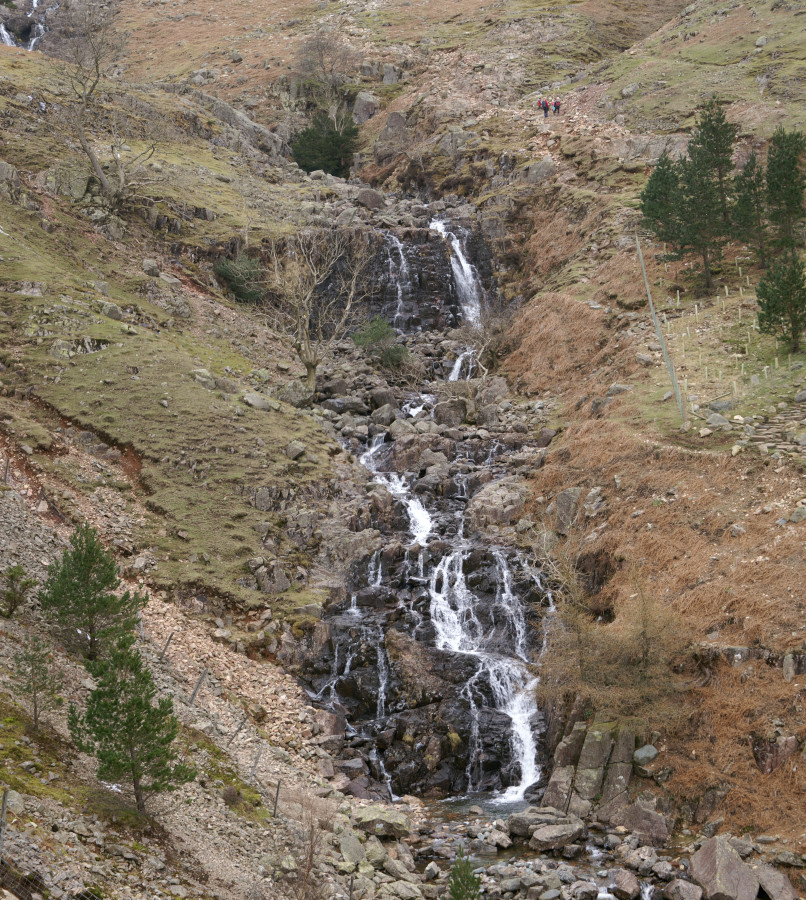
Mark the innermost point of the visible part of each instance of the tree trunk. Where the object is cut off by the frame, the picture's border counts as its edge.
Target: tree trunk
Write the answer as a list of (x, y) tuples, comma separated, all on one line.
[(706, 262), (90, 153), (310, 377)]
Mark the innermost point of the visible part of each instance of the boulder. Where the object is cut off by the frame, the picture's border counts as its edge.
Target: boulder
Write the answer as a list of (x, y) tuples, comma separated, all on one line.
[(643, 756), (720, 872), (523, 823), (295, 449), (260, 401), (624, 885), (370, 198), (352, 851), (382, 822), (112, 311), (681, 890), (540, 171), (15, 803), (555, 837), (294, 393), (497, 503), (150, 267), (566, 504), (649, 826), (365, 107), (774, 883), (450, 412)]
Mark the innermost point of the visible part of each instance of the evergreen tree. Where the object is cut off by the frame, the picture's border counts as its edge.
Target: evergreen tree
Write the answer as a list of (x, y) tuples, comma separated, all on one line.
[(711, 149), (463, 884), (782, 300), (786, 182), (660, 200), (326, 145), (36, 677), (700, 227), (131, 735), (15, 592), (750, 211), (79, 594)]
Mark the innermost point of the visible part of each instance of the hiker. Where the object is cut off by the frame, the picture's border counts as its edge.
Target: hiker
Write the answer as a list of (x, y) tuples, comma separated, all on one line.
[(556, 106), (545, 104)]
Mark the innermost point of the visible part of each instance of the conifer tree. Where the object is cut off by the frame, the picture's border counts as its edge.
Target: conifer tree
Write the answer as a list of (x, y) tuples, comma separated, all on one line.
[(711, 149), (782, 300), (700, 225), (79, 594), (130, 732), (326, 145), (36, 676), (786, 182), (660, 200), (750, 211), (15, 592), (463, 884)]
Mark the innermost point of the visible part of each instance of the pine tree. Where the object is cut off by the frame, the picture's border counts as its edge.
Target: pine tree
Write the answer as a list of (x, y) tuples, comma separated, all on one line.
[(463, 884), (750, 211), (79, 594), (15, 592), (699, 214), (36, 676), (129, 731), (325, 145), (711, 149), (786, 182), (782, 300), (660, 199)]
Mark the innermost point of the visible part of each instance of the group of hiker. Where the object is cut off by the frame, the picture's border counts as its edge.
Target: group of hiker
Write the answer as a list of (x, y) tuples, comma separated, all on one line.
[(545, 104)]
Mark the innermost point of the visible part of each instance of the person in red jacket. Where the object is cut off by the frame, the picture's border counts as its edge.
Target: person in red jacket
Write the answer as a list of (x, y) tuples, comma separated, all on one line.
[(556, 106)]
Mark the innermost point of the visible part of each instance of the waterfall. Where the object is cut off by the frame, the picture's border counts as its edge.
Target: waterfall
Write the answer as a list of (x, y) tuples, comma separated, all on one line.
[(399, 276), (465, 276), (455, 616), (5, 38), (419, 517), (456, 371)]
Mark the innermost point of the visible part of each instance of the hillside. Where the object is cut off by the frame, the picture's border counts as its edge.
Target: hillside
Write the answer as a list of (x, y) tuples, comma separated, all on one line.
[(138, 394)]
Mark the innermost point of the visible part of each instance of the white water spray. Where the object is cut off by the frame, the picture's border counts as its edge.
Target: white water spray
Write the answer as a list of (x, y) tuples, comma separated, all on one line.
[(465, 276)]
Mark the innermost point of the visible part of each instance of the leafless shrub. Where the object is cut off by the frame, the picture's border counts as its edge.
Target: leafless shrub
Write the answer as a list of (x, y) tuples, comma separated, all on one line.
[(316, 283), (326, 59)]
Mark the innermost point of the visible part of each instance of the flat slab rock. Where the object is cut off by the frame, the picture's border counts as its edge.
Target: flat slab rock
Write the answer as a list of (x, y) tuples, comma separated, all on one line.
[(719, 870)]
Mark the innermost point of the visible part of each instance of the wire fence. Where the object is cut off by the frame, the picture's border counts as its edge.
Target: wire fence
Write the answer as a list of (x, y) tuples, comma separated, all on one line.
[(14, 878)]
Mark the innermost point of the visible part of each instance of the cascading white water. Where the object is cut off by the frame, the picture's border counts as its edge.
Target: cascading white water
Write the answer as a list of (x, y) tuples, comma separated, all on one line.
[(456, 371), (465, 276), (419, 517), (455, 616), (399, 275), (5, 38)]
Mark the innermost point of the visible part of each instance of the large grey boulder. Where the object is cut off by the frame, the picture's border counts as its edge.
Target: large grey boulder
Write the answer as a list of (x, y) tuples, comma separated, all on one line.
[(523, 823), (382, 822), (646, 824), (624, 885), (555, 837), (370, 198), (450, 412), (540, 171), (720, 872), (773, 882), (681, 890), (365, 107)]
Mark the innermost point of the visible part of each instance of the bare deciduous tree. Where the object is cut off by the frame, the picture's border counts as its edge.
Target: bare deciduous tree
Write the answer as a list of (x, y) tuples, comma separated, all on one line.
[(316, 284), (325, 59), (92, 47)]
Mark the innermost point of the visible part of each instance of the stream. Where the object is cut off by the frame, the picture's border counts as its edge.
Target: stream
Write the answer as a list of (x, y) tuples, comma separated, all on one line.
[(431, 660)]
